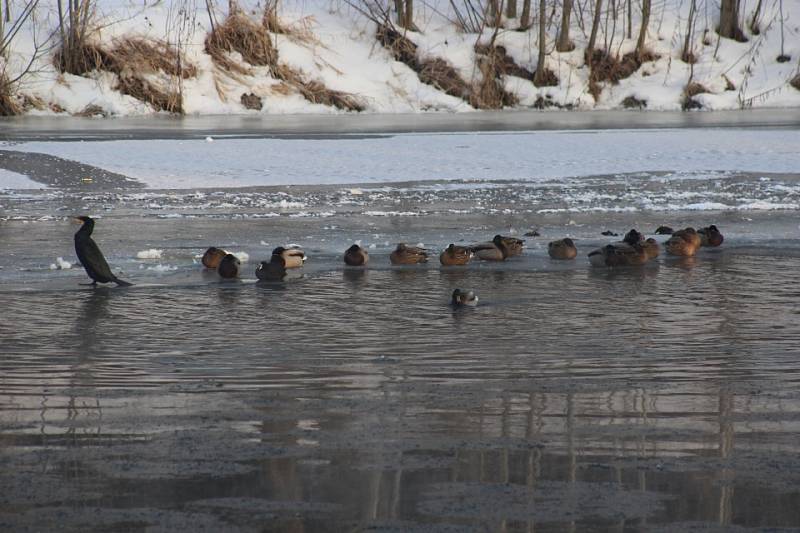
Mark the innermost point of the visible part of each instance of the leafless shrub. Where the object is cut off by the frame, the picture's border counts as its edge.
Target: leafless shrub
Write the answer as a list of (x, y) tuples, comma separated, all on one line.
[(239, 33), (631, 102), (609, 68), (9, 103)]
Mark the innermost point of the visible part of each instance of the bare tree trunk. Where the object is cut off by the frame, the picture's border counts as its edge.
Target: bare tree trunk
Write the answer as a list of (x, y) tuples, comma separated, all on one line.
[(233, 7), (598, 9), (630, 19), (643, 29), (511, 9), (494, 13), (525, 17), (401, 13), (729, 20), (687, 55), (564, 44), (410, 15), (755, 25), (540, 76), (7, 13)]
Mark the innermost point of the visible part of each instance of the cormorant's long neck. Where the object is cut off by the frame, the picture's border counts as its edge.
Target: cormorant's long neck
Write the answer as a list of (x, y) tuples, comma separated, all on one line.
[(86, 229)]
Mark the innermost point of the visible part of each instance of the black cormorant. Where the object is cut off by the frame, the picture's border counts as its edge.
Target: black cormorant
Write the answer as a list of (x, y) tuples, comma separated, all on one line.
[(91, 257)]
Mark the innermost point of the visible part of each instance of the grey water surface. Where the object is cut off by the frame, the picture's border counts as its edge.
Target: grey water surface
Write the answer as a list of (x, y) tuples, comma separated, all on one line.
[(660, 398)]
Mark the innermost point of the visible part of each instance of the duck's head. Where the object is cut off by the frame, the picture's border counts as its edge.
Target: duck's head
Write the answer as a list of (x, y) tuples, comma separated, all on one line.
[(279, 250), (497, 240), (633, 237), (354, 249)]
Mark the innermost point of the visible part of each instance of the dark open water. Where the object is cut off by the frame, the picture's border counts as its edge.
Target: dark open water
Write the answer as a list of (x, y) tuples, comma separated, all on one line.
[(570, 399)]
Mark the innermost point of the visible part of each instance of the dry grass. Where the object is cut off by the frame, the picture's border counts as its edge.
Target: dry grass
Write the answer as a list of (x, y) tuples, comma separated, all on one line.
[(631, 102), (239, 33), (795, 82), (607, 68), (489, 92), (9, 104), (693, 89), (136, 62), (92, 110), (505, 64), (251, 101)]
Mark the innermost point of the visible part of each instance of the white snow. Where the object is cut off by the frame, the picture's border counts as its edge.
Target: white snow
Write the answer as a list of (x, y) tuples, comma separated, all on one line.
[(60, 264), (152, 253), (244, 257), (12, 180), (336, 45), (534, 156), (162, 268)]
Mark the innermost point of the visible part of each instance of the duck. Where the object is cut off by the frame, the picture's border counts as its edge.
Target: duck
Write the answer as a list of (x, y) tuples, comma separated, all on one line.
[(513, 245), (408, 255), (619, 254), (229, 267), (90, 256), (651, 248), (356, 256), (632, 237), (292, 257), (710, 236), (462, 298), (496, 250), (683, 242), (563, 249), (456, 255), (272, 270), (663, 230), (212, 257)]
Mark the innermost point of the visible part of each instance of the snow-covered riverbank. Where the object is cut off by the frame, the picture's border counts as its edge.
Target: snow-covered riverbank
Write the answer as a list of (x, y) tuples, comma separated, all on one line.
[(335, 46)]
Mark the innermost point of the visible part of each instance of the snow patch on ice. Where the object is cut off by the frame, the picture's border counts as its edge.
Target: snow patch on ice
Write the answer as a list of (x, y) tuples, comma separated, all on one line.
[(152, 253), (60, 264)]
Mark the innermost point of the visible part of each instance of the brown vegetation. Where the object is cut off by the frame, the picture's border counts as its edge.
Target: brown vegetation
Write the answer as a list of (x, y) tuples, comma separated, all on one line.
[(239, 33), (795, 82), (135, 61), (9, 105), (631, 102), (607, 68)]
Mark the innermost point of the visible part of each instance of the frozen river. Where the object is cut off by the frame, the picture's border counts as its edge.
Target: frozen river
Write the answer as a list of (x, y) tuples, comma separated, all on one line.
[(660, 398)]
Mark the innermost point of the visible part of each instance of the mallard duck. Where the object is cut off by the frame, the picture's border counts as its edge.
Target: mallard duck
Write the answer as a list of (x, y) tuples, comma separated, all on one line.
[(651, 248), (618, 254), (562, 249), (229, 267), (408, 255), (683, 242), (356, 256), (663, 230), (213, 256), (632, 237), (272, 270), (456, 255), (496, 250), (513, 245), (292, 257), (462, 298), (710, 236)]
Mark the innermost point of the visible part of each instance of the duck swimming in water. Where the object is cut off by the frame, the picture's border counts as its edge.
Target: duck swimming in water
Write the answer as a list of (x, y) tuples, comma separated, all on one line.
[(710, 236), (229, 267), (618, 254), (684, 243), (212, 257), (408, 255), (456, 255), (563, 249), (272, 270), (497, 250), (356, 256), (92, 258), (651, 248), (463, 298), (293, 257)]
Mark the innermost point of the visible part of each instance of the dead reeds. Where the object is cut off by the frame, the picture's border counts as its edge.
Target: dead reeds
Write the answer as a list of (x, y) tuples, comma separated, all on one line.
[(605, 67), (795, 82), (9, 104), (252, 41), (486, 93), (146, 69)]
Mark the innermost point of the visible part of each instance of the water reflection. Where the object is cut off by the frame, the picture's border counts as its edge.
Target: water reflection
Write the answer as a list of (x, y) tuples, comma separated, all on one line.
[(568, 400)]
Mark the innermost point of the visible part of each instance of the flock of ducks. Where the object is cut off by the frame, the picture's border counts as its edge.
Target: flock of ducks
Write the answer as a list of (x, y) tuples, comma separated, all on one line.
[(632, 250)]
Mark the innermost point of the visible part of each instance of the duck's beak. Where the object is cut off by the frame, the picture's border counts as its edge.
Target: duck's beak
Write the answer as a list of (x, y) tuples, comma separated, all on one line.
[(76, 220)]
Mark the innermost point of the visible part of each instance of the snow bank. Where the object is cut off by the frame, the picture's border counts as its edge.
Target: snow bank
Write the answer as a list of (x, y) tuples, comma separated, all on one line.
[(335, 45)]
